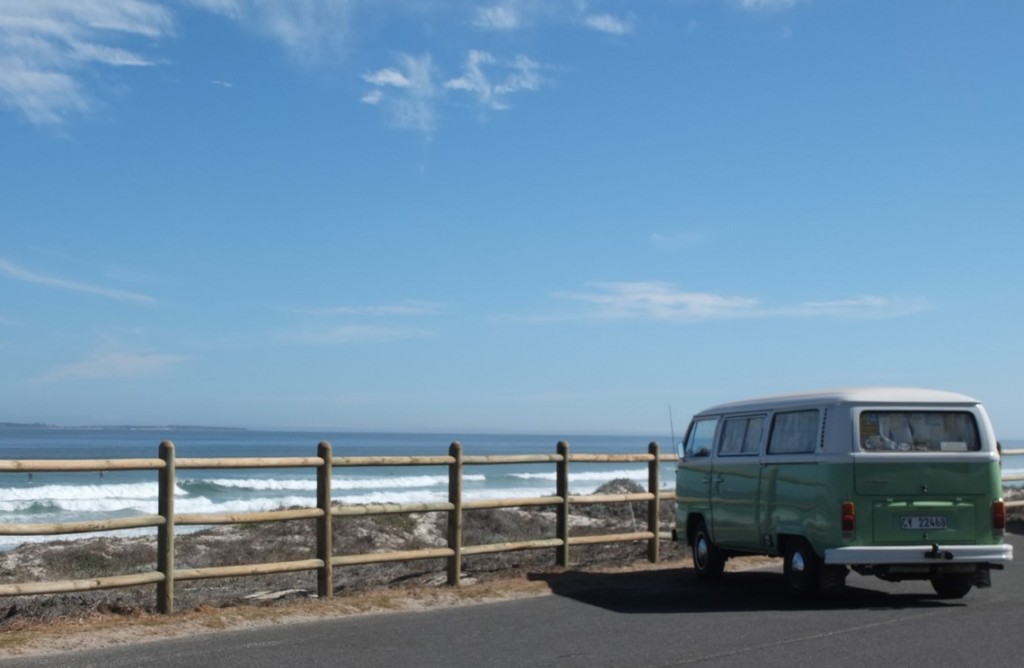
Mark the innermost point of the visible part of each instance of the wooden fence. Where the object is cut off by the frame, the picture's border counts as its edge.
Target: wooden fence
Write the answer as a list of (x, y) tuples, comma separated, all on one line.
[(166, 465), (1013, 478), (165, 575)]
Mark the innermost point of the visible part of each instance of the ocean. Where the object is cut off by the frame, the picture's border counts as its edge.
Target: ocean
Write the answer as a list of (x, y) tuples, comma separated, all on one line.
[(69, 497)]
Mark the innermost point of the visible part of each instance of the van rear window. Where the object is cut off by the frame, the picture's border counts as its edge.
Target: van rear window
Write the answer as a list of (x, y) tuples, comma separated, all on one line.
[(918, 431)]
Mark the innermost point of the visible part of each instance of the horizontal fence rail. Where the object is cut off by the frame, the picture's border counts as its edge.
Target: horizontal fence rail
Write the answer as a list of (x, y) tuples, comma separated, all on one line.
[(166, 574), (1013, 477)]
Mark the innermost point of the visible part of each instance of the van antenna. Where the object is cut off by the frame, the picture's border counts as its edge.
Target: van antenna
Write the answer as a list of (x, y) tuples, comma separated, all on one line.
[(671, 427)]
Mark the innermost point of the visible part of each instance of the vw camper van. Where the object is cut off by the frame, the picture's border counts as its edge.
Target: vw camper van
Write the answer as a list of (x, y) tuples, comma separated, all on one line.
[(899, 483)]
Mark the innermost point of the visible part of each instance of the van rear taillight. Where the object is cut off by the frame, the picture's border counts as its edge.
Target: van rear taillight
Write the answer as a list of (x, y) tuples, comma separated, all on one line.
[(849, 519), (999, 517)]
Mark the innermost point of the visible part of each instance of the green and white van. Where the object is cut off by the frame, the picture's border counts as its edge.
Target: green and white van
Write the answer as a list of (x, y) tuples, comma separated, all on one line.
[(899, 483)]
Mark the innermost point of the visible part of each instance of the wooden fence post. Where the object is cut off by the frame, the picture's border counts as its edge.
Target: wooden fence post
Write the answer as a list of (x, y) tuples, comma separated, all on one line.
[(455, 515), (653, 506), (325, 524), (165, 532), (562, 511)]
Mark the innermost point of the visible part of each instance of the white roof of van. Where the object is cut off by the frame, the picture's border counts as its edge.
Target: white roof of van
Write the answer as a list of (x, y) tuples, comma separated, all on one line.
[(848, 395)]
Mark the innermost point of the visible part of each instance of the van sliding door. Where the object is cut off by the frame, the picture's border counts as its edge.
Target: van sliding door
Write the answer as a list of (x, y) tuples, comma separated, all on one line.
[(735, 482)]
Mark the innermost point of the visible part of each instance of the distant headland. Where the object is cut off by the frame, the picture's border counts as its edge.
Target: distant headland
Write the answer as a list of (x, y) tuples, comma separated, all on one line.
[(121, 427)]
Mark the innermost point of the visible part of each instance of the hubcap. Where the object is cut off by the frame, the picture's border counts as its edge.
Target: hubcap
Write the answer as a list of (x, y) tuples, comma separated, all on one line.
[(797, 563), (702, 552)]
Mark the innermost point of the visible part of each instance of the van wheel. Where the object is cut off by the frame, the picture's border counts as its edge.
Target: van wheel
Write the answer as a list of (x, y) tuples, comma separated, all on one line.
[(832, 580), (955, 585), (708, 560), (800, 568)]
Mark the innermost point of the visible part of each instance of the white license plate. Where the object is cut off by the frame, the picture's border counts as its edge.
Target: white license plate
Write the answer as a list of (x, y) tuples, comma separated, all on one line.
[(922, 522)]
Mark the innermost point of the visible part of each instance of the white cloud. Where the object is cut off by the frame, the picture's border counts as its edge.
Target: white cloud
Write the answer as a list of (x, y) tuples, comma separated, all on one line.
[(867, 306), (388, 76), (407, 92), (520, 74), (310, 30), (50, 49), (412, 308), (657, 300), (361, 332), (765, 4), (45, 44), (372, 97), (608, 24), (355, 333), (113, 365), (498, 17), (25, 276), (524, 75)]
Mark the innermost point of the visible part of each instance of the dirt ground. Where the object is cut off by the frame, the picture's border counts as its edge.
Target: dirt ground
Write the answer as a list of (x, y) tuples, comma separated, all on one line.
[(54, 623), (110, 619)]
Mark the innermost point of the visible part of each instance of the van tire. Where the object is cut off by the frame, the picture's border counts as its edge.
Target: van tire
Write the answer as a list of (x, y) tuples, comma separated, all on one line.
[(954, 585), (708, 560), (832, 580), (800, 568)]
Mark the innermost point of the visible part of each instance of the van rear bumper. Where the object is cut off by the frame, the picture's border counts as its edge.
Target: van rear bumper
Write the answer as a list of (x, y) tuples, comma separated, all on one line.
[(919, 554)]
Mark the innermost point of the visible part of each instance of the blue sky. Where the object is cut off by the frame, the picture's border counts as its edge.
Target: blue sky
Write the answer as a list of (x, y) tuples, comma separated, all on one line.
[(506, 215)]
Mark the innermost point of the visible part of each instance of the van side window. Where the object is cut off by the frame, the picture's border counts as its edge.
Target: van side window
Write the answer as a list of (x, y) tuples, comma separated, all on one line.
[(701, 437), (794, 433), (741, 435), (918, 431)]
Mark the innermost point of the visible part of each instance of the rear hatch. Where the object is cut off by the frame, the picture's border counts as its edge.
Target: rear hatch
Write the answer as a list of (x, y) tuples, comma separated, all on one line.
[(925, 502)]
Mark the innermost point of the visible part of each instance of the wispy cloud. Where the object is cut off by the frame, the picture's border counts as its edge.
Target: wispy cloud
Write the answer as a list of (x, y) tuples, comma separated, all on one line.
[(510, 15), (50, 50), (375, 323), (45, 46), (354, 333), (25, 276), (866, 306), (658, 300), (113, 365), (498, 17), (309, 30), (411, 90), (765, 4), (609, 24), (412, 308), (407, 91), (514, 76)]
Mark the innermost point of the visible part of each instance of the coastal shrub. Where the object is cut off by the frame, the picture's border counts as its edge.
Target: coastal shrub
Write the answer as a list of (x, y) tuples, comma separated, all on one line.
[(633, 511), (480, 527), (97, 557)]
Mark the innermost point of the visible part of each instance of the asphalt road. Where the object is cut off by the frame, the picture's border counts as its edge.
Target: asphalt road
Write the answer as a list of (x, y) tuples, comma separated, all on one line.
[(659, 619)]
